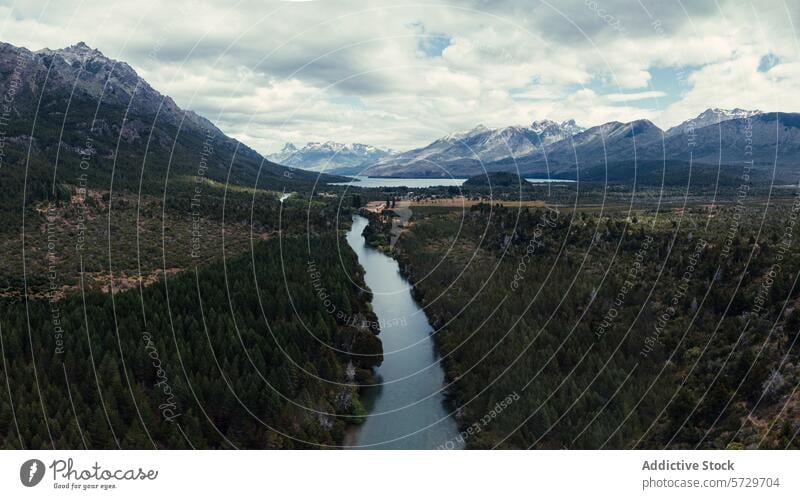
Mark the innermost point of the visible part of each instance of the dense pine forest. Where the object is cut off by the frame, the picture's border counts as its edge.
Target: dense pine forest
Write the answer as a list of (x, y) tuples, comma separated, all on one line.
[(230, 355), (638, 329)]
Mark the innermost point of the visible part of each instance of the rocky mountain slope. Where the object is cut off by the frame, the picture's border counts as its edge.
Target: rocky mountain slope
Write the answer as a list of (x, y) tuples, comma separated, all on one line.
[(712, 116), (75, 106), (474, 148), (715, 137)]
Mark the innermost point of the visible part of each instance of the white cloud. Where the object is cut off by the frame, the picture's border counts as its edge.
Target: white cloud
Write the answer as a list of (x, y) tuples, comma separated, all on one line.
[(636, 96), (271, 72)]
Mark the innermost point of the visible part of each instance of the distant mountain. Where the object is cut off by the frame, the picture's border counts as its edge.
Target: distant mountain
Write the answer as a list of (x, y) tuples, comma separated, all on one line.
[(549, 131), (610, 139), (711, 116), (329, 156), (715, 137), (474, 148), (75, 103), (765, 139)]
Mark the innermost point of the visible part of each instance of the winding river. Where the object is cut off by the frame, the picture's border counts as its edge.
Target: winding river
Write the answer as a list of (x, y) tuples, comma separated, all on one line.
[(407, 410)]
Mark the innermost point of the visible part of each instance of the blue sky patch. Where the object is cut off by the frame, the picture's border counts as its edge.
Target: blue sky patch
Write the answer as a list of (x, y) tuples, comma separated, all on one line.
[(432, 45), (768, 62)]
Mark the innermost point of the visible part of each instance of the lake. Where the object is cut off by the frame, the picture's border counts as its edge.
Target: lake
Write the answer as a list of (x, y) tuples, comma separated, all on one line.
[(407, 409), (421, 183)]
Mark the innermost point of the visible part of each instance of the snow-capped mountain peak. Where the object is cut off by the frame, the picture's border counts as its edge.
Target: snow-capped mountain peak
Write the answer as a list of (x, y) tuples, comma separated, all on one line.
[(712, 116), (730, 114), (540, 126), (483, 144), (571, 127), (548, 127), (550, 131), (456, 136), (80, 52), (318, 156)]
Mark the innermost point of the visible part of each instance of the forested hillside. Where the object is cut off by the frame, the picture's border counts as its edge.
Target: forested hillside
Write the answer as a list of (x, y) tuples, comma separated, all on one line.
[(232, 355), (103, 174), (672, 329)]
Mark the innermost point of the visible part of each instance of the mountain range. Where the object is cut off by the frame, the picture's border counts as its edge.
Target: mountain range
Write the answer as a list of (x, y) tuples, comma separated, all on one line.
[(63, 97), (470, 149), (562, 150), (330, 156)]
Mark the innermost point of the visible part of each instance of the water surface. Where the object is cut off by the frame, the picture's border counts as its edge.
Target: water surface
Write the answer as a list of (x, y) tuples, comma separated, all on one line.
[(421, 183), (411, 183), (407, 410)]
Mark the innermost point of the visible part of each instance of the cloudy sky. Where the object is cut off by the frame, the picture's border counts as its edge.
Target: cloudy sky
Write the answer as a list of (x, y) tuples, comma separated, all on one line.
[(402, 73)]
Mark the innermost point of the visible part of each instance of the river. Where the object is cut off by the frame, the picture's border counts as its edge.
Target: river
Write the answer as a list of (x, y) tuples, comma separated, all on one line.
[(406, 410), (422, 183)]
